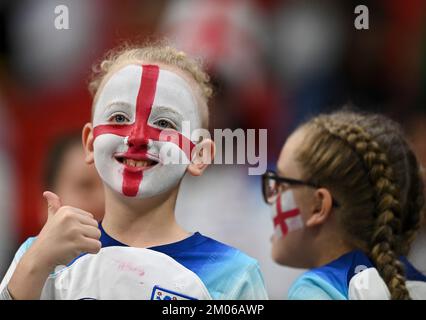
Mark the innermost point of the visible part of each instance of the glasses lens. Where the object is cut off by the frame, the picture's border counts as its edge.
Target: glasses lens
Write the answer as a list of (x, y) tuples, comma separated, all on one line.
[(269, 189)]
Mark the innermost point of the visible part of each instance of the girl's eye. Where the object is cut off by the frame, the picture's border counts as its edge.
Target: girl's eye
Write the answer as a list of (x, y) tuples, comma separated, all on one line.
[(165, 124), (283, 187), (119, 118)]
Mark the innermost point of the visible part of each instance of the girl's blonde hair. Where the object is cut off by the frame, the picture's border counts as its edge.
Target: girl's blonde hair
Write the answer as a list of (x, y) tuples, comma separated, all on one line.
[(159, 52), (366, 163)]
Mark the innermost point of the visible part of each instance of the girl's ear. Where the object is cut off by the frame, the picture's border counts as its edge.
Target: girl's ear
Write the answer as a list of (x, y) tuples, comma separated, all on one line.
[(88, 139), (323, 202), (202, 155)]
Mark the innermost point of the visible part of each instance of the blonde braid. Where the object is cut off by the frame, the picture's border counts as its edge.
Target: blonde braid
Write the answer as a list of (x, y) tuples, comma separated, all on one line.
[(387, 207)]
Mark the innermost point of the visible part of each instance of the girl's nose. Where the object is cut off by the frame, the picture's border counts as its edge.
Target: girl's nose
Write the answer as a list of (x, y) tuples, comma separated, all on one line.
[(137, 138)]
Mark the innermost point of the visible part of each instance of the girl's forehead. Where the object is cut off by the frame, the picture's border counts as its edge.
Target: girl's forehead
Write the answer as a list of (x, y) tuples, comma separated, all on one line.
[(132, 73), (124, 85), (287, 160), (125, 76), (173, 72), (293, 143)]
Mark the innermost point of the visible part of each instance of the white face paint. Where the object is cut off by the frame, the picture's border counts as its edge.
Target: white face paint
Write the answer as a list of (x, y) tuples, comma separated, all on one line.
[(134, 107), (285, 214)]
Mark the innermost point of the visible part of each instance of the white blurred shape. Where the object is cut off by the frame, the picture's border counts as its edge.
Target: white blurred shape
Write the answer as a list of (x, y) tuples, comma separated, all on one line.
[(228, 35), (308, 39)]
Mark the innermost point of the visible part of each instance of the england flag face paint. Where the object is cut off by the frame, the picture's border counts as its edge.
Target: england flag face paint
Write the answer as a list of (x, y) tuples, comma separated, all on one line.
[(139, 148), (285, 214)]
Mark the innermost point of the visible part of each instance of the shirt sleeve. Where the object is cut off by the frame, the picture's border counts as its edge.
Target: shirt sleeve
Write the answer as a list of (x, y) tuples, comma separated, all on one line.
[(312, 287), (251, 285), (368, 285), (18, 255)]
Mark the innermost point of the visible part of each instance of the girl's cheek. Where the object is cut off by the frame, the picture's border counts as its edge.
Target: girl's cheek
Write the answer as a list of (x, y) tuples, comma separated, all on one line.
[(286, 215), (305, 202)]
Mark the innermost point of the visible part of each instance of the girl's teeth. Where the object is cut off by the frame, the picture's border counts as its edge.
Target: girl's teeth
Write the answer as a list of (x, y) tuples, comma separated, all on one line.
[(135, 163)]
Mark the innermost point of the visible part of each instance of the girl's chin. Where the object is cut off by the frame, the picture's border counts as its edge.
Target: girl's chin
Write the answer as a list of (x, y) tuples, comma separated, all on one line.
[(283, 259), (277, 249), (277, 240), (279, 259), (281, 251)]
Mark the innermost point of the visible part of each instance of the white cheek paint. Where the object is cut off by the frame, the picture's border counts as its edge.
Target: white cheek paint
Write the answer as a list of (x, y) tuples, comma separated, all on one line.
[(163, 176), (286, 215), (109, 169)]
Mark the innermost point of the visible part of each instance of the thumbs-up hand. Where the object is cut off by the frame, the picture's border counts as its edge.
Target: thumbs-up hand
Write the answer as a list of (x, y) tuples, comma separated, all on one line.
[(67, 233), (53, 203)]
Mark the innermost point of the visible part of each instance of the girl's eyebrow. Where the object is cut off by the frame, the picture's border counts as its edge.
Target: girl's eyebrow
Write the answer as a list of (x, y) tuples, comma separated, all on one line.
[(168, 110), (117, 103)]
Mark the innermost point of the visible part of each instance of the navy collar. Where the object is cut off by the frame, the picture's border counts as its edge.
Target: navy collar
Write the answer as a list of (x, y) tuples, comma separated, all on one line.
[(170, 248)]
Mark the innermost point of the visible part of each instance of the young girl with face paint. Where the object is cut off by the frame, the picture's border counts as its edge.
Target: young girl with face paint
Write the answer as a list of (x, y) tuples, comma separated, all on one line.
[(347, 201), (141, 150)]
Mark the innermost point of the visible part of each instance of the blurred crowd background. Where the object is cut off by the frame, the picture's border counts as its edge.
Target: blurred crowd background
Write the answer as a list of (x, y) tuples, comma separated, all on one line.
[(273, 63)]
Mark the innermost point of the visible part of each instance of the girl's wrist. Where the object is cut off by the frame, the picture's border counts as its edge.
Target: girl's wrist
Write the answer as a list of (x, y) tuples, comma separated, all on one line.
[(36, 261), (29, 277)]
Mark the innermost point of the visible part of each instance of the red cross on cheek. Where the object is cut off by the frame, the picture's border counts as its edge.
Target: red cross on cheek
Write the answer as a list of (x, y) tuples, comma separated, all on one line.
[(140, 132), (282, 216)]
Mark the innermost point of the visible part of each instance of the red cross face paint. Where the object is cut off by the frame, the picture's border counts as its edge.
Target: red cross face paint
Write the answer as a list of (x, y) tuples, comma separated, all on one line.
[(136, 107), (285, 214)]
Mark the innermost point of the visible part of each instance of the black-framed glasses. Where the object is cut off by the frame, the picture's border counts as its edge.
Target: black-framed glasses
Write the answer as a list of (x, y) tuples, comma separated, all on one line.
[(273, 185)]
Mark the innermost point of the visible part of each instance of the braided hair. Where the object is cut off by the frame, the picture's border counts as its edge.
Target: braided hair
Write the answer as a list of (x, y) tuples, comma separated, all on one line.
[(368, 166)]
